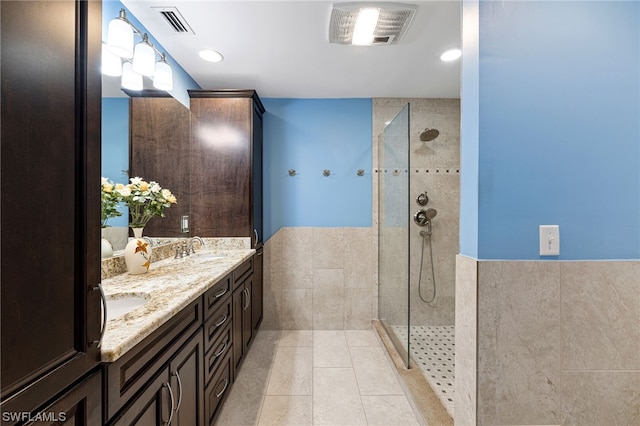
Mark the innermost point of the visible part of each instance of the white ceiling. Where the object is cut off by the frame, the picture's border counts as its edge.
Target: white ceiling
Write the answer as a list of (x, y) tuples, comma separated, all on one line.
[(281, 49)]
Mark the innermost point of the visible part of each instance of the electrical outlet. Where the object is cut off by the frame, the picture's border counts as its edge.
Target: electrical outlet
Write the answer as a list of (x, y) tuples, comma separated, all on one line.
[(549, 240)]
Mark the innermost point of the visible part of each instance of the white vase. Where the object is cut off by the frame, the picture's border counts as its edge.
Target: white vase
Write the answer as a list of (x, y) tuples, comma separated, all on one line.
[(106, 249), (137, 254)]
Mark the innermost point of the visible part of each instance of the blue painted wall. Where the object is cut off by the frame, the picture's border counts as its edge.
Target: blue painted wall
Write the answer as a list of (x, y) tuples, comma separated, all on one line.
[(115, 146), (310, 135), (181, 80), (559, 129)]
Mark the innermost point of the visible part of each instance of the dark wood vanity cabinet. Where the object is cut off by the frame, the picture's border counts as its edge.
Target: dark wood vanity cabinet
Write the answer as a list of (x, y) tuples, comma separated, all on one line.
[(226, 166), (50, 218), (174, 352)]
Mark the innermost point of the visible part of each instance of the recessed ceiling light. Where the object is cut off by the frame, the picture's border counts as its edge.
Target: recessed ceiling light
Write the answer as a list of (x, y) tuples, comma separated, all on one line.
[(451, 55), (211, 55)]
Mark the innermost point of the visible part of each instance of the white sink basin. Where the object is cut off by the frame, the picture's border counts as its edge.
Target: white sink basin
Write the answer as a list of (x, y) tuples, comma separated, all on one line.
[(209, 256), (121, 304)]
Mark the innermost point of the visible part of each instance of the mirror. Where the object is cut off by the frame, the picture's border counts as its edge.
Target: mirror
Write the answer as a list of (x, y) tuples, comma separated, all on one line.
[(116, 135), (143, 122)]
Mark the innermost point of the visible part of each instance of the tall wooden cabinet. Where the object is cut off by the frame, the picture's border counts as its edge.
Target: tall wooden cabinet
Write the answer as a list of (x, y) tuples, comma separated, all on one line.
[(226, 166), (50, 263), (210, 157)]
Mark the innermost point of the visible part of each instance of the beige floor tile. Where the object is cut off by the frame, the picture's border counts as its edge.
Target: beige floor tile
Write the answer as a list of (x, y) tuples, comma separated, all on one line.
[(292, 372), (336, 400), (388, 410), (330, 349), (373, 372), (296, 338), (286, 411), (361, 338), (263, 350), (242, 406)]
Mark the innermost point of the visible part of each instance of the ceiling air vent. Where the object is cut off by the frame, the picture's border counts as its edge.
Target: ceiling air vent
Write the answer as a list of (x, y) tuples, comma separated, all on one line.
[(392, 23), (175, 20)]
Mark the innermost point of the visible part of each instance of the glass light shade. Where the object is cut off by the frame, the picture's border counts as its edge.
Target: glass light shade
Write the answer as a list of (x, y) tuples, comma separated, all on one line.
[(130, 79), (163, 77), (120, 38), (144, 59), (365, 26), (111, 64)]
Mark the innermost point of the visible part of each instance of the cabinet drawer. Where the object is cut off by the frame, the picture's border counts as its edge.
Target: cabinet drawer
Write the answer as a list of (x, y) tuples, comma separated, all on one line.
[(242, 272), (215, 295), (218, 389), (217, 353), (216, 323)]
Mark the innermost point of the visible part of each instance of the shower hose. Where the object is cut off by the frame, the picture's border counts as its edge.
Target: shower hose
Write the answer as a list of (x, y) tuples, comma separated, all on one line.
[(427, 235)]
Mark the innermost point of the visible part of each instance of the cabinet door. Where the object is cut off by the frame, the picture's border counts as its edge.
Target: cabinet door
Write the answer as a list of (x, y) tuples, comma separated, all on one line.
[(242, 325), (50, 155), (256, 292), (80, 406), (154, 405), (221, 167), (247, 325), (159, 134), (238, 346), (187, 376), (256, 164)]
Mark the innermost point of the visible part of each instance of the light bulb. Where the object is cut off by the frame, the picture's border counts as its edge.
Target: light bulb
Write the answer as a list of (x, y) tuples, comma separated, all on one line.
[(365, 26)]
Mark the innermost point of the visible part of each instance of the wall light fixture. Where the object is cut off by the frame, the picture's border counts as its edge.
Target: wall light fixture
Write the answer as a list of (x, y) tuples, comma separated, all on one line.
[(134, 62)]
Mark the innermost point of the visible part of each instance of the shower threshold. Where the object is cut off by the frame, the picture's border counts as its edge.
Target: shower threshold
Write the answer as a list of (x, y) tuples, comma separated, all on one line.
[(433, 350)]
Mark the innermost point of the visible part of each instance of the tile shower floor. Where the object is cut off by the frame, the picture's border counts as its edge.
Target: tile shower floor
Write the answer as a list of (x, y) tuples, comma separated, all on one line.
[(320, 377), (433, 349)]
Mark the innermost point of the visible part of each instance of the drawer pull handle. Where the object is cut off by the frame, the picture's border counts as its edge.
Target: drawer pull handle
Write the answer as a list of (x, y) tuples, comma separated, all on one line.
[(222, 293), (247, 300), (226, 383), (103, 325), (180, 389), (172, 404), (222, 321), (224, 348)]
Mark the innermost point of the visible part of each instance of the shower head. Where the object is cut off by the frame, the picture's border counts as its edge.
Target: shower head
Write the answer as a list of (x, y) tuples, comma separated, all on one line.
[(429, 135), (431, 213)]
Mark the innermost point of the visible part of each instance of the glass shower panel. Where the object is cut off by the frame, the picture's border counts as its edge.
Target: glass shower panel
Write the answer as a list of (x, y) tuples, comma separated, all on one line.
[(393, 235)]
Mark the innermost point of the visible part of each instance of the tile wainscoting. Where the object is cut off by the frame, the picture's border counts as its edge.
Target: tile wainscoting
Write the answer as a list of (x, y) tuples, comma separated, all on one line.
[(557, 342), (320, 279)]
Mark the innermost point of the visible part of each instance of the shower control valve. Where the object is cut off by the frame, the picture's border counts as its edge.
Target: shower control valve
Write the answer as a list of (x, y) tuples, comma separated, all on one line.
[(422, 199), (423, 217)]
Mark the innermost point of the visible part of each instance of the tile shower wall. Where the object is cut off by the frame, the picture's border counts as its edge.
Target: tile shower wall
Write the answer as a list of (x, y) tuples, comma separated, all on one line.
[(558, 342), (320, 279), (435, 168)]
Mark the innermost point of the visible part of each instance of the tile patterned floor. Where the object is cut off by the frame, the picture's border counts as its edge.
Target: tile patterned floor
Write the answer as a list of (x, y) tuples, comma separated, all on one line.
[(433, 349), (321, 377)]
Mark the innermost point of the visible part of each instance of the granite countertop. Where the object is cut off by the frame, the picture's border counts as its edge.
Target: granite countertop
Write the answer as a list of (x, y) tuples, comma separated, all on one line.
[(169, 286)]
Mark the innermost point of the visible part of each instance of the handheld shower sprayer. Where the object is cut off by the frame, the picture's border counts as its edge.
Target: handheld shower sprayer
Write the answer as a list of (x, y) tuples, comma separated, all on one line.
[(423, 218)]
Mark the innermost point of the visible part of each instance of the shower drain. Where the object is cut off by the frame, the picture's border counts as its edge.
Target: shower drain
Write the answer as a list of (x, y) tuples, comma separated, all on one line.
[(433, 349)]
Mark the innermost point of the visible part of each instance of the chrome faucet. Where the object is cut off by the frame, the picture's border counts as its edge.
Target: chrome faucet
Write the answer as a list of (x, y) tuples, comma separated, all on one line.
[(190, 241), (186, 247)]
